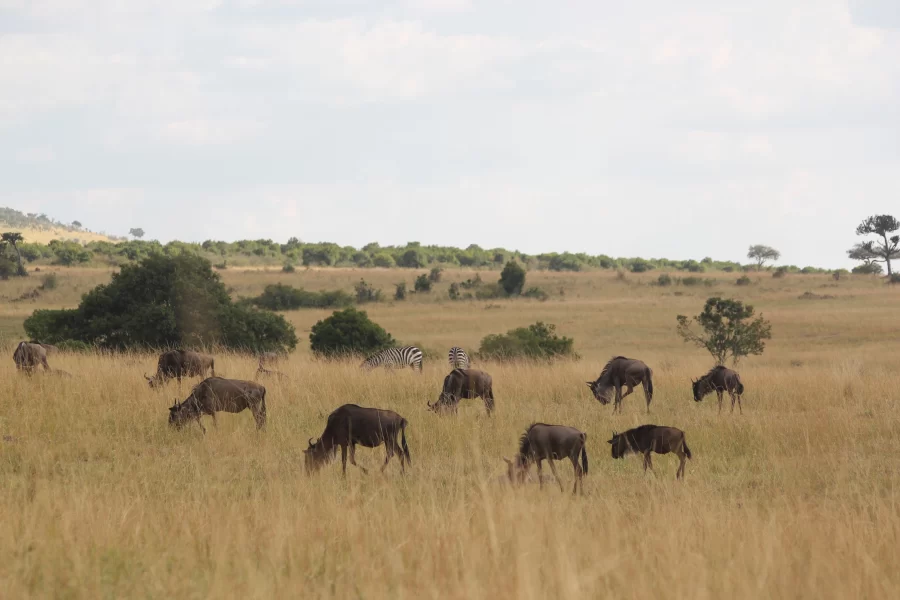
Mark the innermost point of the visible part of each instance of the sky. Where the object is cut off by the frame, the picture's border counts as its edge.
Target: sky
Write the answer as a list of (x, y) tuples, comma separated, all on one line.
[(648, 128)]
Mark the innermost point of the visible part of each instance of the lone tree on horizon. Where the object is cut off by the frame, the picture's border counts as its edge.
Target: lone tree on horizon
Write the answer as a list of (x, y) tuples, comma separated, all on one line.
[(760, 254), (728, 330), (13, 238), (882, 250), (136, 232)]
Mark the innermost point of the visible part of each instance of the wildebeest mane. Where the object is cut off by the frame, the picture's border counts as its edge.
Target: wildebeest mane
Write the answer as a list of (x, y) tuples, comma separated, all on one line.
[(712, 372), (607, 366)]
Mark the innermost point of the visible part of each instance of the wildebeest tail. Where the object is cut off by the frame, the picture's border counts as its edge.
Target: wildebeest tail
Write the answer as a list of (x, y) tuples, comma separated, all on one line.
[(403, 441), (687, 451), (739, 388), (649, 375), (584, 461)]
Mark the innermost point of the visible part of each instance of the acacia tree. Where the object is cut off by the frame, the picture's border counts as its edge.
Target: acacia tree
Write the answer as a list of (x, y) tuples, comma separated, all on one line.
[(760, 254), (885, 249), (136, 232), (13, 238), (729, 329)]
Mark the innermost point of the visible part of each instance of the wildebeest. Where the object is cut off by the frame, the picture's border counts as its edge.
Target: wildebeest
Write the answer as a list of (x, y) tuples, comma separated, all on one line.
[(651, 438), (181, 363), (217, 394), (349, 425), (28, 356), (50, 348), (468, 384), (720, 379), (549, 442), (270, 358), (622, 372)]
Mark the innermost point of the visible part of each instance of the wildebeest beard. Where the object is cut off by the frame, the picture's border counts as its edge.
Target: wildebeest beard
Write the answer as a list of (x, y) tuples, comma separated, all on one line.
[(181, 413)]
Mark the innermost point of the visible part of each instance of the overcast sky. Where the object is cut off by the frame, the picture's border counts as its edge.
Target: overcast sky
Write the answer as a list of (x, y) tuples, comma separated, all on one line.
[(646, 128)]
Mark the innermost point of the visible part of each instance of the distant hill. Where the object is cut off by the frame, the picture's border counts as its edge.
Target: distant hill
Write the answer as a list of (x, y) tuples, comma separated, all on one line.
[(40, 229)]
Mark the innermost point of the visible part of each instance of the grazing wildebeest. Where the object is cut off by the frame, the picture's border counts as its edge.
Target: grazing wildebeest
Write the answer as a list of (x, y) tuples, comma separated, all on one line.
[(619, 372), (50, 348), (468, 384), (719, 380), (549, 442), (217, 394), (349, 425), (181, 363), (651, 438), (28, 356)]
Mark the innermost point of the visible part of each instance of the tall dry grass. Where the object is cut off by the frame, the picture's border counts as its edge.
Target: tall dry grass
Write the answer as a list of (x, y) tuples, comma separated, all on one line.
[(796, 498)]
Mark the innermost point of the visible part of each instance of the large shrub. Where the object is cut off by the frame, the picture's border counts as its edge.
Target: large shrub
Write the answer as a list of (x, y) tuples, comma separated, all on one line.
[(285, 297), (163, 302), (538, 341), (348, 332), (728, 329), (512, 278)]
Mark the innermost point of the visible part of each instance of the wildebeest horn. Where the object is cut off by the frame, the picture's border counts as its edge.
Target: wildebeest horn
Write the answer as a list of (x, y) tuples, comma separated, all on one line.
[(509, 462), (311, 442), (590, 384)]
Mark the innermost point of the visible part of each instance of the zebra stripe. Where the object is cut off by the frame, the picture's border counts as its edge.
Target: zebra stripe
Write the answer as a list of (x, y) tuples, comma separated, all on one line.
[(458, 358), (408, 356)]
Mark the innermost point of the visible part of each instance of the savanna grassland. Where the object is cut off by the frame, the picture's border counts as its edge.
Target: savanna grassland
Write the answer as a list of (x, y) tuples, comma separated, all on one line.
[(796, 498)]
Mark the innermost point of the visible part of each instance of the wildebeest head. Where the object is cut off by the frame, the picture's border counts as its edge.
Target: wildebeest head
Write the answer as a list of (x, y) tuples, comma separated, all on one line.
[(315, 456), (154, 382), (445, 402), (516, 469), (619, 445), (602, 395), (179, 414), (697, 388)]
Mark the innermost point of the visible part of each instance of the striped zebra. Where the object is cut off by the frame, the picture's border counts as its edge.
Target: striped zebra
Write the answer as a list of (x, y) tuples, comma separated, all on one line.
[(458, 358), (408, 356)]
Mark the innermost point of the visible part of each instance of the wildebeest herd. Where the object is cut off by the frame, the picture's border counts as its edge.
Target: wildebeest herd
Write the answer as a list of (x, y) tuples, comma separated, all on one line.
[(350, 424)]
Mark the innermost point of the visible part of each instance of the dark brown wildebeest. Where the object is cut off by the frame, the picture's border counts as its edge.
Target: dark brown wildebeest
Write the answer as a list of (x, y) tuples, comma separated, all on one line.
[(28, 356), (719, 380), (181, 363), (217, 394), (651, 438), (349, 425), (549, 442), (468, 384), (622, 372)]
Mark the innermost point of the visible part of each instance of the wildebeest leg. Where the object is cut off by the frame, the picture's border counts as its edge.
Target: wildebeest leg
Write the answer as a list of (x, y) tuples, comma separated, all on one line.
[(259, 413), (344, 460), (648, 462), (719, 394), (200, 423), (555, 474), (680, 472), (489, 401), (540, 468), (732, 401), (389, 450), (740, 408), (578, 475), (45, 363), (353, 459), (618, 401)]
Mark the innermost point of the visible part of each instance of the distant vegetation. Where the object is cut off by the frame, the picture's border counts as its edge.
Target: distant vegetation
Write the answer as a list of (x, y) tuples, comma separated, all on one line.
[(163, 302), (348, 332), (538, 341)]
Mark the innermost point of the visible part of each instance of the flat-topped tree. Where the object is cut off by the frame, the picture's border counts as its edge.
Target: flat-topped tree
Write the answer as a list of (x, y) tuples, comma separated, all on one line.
[(883, 250), (762, 254), (13, 238)]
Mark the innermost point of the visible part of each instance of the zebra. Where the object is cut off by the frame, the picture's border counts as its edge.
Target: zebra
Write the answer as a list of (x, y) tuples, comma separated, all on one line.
[(458, 358), (408, 356)]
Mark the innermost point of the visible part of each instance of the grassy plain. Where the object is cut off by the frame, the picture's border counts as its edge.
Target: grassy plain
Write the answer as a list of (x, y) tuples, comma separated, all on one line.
[(797, 498)]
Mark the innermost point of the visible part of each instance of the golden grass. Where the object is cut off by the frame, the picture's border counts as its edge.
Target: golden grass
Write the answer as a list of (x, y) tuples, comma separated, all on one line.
[(796, 498), (48, 234)]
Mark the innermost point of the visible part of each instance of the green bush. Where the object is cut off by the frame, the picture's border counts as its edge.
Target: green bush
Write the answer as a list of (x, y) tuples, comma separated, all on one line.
[(564, 262), (73, 346), (366, 293), (894, 279), (284, 297), (743, 280), (348, 332), (383, 260), (288, 268), (639, 265), (489, 291), (869, 269), (435, 275), (512, 278), (69, 253), (471, 284), (664, 280), (400, 291), (49, 281), (538, 341), (163, 302), (691, 281), (453, 292), (423, 284), (780, 272)]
